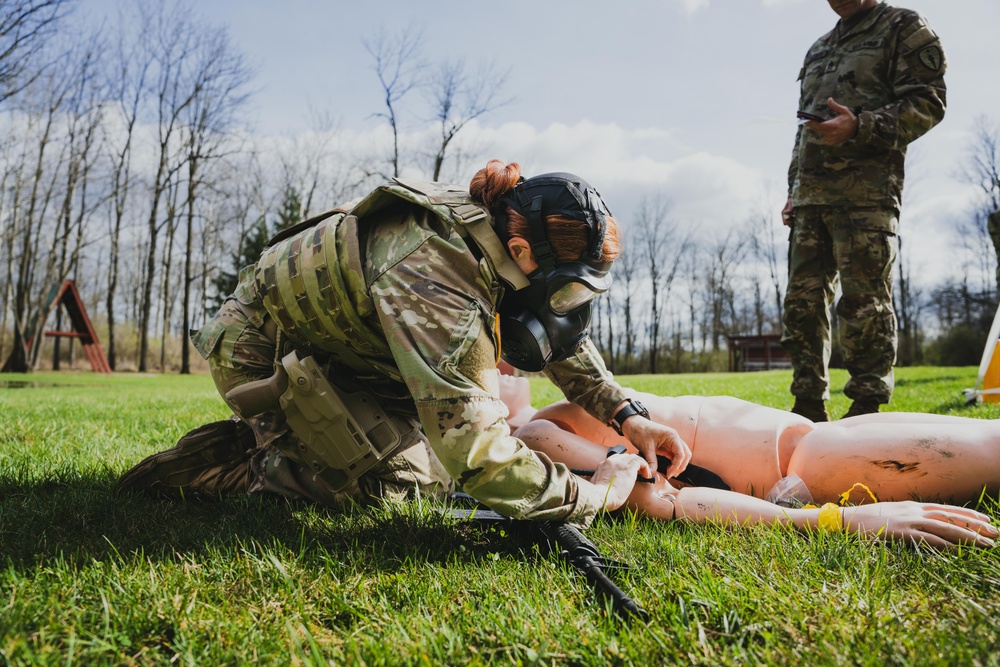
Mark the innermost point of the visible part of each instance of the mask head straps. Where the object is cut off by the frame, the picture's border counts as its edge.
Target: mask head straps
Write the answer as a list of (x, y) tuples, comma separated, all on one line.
[(559, 193)]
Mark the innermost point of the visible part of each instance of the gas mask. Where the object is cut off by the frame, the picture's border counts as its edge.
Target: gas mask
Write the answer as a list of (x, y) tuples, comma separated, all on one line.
[(547, 320)]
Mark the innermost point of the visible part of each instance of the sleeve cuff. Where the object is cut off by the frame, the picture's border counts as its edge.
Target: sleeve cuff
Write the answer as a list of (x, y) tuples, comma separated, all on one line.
[(589, 502), (866, 124)]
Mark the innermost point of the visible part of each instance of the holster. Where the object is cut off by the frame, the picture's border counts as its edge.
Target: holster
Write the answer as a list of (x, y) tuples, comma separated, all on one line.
[(341, 435)]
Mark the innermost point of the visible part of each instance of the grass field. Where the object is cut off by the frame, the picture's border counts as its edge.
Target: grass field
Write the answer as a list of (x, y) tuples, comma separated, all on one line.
[(91, 578)]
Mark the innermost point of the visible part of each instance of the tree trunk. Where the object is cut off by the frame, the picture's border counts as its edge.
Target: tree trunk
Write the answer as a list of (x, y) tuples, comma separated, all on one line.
[(188, 251)]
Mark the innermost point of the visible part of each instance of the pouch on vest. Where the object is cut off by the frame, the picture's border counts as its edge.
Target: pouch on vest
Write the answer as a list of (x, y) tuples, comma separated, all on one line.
[(296, 303), (341, 435), (451, 203)]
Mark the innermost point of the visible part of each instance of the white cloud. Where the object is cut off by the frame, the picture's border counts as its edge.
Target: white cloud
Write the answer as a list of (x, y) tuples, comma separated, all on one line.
[(691, 6), (708, 192)]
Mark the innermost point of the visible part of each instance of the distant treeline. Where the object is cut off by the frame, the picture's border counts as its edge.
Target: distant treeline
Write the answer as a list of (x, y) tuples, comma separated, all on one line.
[(128, 164)]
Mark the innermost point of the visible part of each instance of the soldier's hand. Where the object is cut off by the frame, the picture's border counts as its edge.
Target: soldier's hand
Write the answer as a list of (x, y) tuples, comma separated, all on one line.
[(618, 474), (788, 213), (842, 127), (651, 438)]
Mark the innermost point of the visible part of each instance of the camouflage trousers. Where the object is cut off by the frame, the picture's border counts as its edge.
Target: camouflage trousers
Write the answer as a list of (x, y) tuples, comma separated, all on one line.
[(858, 247), (240, 351)]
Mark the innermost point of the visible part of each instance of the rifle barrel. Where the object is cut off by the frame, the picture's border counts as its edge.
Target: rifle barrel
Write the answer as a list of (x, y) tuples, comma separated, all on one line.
[(581, 553)]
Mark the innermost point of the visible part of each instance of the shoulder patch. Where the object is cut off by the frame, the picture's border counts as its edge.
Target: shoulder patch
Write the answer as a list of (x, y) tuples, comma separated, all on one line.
[(931, 57)]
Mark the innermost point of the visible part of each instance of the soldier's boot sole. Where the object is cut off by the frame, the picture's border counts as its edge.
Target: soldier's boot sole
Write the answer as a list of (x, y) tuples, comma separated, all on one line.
[(210, 461)]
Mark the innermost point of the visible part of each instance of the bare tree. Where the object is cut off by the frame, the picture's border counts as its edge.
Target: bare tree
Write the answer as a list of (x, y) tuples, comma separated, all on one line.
[(35, 188), (8, 148), (766, 249), (173, 38), (723, 258), (25, 26), (398, 66), (13, 158), (978, 259), (127, 79), (83, 119), (219, 82), (626, 273), (165, 305), (305, 163), (236, 231), (908, 304), (908, 297), (691, 298), (313, 166), (981, 167), (460, 97), (759, 310), (663, 246)]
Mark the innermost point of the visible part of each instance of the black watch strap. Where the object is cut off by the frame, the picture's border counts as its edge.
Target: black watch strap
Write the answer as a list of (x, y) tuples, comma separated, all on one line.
[(632, 407)]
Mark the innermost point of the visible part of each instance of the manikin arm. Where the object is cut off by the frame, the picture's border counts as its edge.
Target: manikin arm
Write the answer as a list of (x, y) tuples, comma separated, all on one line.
[(939, 526)]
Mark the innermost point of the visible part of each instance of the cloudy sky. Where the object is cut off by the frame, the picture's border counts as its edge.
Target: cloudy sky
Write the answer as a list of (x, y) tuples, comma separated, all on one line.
[(691, 99)]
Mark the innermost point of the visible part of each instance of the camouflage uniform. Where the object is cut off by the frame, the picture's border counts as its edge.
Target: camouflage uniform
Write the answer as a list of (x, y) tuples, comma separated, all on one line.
[(415, 324), (888, 66)]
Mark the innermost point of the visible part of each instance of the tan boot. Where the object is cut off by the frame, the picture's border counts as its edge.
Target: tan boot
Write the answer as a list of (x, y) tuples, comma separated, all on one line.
[(212, 460)]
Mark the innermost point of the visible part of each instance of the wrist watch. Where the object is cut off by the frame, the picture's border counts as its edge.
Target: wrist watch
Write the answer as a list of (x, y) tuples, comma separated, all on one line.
[(631, 407)]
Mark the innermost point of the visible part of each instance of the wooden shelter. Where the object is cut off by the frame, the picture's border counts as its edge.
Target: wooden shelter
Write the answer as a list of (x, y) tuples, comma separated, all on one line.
[(757, 353)]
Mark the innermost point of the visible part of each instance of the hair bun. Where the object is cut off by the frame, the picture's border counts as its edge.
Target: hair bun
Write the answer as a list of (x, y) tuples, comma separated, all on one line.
[(493, 181)]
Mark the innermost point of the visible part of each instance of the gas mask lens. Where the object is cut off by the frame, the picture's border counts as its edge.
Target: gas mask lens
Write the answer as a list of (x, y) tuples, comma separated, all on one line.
[(569, 297)]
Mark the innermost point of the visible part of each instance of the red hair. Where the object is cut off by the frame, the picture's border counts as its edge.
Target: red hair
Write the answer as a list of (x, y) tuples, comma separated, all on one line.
[(569, 237)]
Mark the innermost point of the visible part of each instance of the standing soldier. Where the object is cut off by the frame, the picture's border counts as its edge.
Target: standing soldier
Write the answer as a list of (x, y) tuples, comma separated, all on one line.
[(868, 88)]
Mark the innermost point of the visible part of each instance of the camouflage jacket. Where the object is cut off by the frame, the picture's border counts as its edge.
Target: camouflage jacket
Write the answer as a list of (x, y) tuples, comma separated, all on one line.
[(398, 293), (888, 66)]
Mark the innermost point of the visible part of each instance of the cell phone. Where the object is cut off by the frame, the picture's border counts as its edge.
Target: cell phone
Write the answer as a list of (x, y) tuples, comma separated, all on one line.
[(805, 116)]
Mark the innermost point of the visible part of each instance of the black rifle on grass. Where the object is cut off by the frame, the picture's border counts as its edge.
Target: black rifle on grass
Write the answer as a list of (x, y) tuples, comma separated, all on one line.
[(573, 547), (580, 552)]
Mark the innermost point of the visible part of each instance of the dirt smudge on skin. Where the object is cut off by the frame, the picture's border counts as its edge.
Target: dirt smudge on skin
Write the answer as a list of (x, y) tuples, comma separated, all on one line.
[(934, 445), (898, 466)]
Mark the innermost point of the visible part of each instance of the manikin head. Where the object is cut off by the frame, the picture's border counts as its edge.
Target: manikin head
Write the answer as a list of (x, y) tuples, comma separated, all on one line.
[(847, 8), (515, 392)]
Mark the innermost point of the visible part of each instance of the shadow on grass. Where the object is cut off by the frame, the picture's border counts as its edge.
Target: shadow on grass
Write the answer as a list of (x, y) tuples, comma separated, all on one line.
[(79, 517), (957, 407), (939, 379)]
